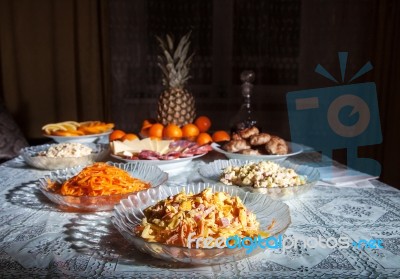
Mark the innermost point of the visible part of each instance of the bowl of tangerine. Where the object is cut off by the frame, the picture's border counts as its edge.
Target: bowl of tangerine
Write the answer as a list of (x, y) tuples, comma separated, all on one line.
[(198, 131)]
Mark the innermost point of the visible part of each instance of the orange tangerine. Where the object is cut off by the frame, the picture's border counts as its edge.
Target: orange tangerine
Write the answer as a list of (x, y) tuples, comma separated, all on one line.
[(203, 138), (203, 123), (129, 136), (144, 133), (172, 131), (146, 125), (156, 131), (116, 135), (190, 131), (221, 135)]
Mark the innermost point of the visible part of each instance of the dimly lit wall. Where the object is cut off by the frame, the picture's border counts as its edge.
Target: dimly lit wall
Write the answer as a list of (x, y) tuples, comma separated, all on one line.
[(100, 57)]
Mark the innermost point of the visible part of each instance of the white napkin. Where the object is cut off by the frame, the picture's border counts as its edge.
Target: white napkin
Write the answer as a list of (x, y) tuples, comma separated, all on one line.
[(344, 177)]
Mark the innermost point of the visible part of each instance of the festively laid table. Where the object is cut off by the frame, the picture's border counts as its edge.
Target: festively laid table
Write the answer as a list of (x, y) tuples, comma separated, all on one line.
[(40, 240)]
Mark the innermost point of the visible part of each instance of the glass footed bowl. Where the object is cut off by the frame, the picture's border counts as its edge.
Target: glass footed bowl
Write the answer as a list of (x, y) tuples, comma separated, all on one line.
[(129, 213), (151, 174), (29, 154), (211, 173)]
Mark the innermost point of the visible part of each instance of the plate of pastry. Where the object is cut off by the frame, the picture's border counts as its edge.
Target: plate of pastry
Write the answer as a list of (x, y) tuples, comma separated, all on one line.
[(251, 144)]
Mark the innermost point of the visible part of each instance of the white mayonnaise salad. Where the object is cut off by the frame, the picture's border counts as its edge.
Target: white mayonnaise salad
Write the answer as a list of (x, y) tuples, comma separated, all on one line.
[(64, 150), (264, 174)]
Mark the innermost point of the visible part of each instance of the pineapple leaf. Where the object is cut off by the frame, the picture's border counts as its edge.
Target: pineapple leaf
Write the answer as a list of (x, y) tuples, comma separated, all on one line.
[(170, 43), (164, 71), (185, 51), (177, 52), (161, 60), (173, 84), (187, 36), (175, 61), (188, 61), (180, 64), (161, 43), (169, 67), (185, 79), (173, 71), (182, 43), (184, 72), (168, 57)]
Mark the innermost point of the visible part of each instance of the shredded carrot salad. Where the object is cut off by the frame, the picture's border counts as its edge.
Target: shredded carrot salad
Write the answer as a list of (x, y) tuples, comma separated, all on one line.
[(101, 179), (206, 214)]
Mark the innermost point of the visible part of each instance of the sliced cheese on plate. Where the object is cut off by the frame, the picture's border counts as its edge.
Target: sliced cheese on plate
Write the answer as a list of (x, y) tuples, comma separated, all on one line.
[(137, 145)]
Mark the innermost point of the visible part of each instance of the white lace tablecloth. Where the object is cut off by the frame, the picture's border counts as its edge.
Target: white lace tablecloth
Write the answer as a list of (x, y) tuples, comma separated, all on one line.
[(38, 240)]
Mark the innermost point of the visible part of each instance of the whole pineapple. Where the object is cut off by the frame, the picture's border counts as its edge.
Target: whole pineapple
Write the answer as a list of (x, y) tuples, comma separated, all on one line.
[(175, 105)]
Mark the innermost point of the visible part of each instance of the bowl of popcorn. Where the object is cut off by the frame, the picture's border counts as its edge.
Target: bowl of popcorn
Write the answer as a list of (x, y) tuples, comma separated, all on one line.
[(279, 180), (63, 155)]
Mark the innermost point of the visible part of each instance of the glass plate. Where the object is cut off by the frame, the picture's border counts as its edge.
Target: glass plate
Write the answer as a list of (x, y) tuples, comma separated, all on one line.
[(29, 154), (212, 171), (148, 173), (80, 139), (294, 149), (129, 213), (165, 165)]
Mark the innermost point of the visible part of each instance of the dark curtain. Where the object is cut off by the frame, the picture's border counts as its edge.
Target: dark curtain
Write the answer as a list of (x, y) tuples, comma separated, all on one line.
[(386, 75), (54, 61)]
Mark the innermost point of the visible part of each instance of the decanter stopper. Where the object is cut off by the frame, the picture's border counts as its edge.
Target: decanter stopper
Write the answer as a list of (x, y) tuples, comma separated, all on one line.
[(244, 118), (247, 77)]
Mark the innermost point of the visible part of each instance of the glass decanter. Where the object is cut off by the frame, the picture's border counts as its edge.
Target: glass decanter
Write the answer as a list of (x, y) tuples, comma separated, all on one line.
[(244, 118)]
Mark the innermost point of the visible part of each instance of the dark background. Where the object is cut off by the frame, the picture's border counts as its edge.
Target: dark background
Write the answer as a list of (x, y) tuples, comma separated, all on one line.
[(80, 60)]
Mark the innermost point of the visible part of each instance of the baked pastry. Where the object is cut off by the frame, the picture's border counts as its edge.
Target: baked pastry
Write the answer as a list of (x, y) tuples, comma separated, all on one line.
[(236, 136), (250, 152), (248, 132), (260, 139), (276, 146), (236, 145), (250, 141)]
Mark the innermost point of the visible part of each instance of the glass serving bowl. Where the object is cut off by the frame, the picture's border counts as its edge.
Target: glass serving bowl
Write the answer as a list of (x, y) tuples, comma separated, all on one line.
[(29, 154), (150, 174), (129, 213), (211, 173)]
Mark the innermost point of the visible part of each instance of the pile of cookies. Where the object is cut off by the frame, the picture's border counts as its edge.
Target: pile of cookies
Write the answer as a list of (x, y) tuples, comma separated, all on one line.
[(250, 141)]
